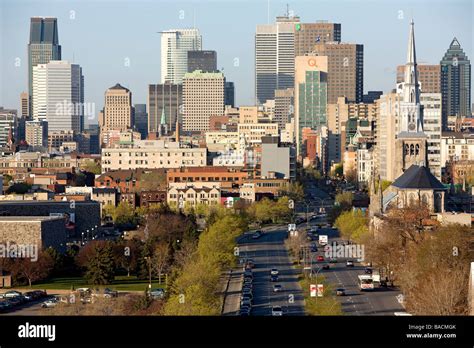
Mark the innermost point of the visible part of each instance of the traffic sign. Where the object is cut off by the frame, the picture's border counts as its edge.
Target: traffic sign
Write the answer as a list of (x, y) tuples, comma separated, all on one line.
[(312, 290), (320, 290)]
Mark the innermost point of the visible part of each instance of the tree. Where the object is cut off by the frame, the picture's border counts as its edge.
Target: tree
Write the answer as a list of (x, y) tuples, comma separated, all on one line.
[(93, 167), (337, 171), (33, 270), (160, 259), (344, 199), (294, 190), (127, 254), (18, 188), (352, 224), (122, 215), (97, 257)]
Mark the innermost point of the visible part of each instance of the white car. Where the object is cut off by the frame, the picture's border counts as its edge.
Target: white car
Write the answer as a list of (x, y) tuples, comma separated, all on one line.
[(50, 303), (277, 311), (277, 288), (273, 272)]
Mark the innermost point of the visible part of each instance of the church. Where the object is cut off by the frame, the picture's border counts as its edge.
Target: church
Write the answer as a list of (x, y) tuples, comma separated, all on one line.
[(414, 182)]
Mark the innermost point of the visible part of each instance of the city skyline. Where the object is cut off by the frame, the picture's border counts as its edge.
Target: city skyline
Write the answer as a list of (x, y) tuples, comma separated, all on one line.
[(139, 66)]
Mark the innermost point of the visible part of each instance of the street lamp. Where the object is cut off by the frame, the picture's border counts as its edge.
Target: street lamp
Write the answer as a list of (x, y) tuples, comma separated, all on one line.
[(82, 238), (148, 259)]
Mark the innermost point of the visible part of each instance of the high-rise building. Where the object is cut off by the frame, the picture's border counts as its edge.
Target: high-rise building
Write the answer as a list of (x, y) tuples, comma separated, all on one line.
[(429, 77), (118, 110), (36, 134), (274, 57), (284, 106), (203, 97), (345, 70), (43, 46), (58, 95), (202, 60), (311, 93), (308, 34), (164, 99), (8, 127), (175, 44), (229, 91), (455, 83), (25, 105), (431, 103), (141, 120)]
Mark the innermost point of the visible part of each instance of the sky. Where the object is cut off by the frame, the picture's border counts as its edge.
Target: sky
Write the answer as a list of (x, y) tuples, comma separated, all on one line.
[(116, 41)]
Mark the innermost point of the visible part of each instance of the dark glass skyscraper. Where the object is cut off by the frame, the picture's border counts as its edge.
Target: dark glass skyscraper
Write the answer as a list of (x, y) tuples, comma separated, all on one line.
[(455, 83), (205, 61), (141, 120), (43, 46), (229, 93)]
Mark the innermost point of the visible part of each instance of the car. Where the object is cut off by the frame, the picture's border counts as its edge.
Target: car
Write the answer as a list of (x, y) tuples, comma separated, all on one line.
[(368, 270), (332, 260), (349, 263), (108, 293), (277, 288), (84, 290), (273, 278), (249, 264), (277, 311), (5, 306), (11, 294), (320, 258), (274, 271), (52, 302), (340, 292), (314, 217), (15, 301), (30, 295), (157, 294), (87, 299), (326, 266)]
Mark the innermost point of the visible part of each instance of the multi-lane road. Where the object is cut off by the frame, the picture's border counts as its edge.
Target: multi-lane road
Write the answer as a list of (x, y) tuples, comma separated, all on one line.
[(269, 252)]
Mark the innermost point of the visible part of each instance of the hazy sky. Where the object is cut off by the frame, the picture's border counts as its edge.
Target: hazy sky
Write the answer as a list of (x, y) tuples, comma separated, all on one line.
[(102, 36)]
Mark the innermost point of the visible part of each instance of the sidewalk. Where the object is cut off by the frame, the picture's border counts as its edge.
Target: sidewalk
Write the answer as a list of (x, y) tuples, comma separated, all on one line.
[(232, 296)]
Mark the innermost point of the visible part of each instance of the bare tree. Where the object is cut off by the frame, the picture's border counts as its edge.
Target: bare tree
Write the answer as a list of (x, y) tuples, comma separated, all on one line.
[(160, 259)]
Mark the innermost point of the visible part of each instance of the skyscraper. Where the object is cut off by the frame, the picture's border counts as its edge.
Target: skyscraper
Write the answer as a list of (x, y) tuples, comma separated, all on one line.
[(175, 44), (203, 97), (202, 60), (141, 120), (118, 110), (284, 106), (43, 46), (345, 70), (429, 77), (25, 105), (58, 96), (455, 82), (229, 92), (311, 95), (274, 57), (308, 34), (167, 98)]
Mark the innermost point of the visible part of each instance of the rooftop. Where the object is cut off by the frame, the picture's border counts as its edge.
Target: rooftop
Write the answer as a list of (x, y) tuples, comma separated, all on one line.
[(418, 177)]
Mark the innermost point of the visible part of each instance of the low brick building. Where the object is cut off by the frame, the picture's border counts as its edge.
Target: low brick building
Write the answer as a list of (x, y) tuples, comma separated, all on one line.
[(42, 231), (148, 198), (77, 216)]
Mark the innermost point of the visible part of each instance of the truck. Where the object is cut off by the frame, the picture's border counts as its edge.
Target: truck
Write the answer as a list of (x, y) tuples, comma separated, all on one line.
[(366, 282)]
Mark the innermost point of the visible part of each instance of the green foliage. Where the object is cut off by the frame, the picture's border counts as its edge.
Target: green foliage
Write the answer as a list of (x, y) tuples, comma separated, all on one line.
[(352, 224), (266, 211), (326, 305), (294, 190), (122, 215), (100, 265), (344, 199), (216, 245), (18, 188), (93, 167), (338, 171)]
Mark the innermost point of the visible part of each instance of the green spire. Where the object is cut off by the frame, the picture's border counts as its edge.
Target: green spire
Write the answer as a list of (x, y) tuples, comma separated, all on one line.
[(163, 119)]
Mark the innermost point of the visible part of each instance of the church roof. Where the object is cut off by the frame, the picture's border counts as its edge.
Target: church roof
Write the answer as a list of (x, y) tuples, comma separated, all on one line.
[(418, 177)]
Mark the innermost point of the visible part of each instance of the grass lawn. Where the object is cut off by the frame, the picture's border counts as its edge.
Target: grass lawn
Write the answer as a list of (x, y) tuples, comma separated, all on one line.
[(121, 283)]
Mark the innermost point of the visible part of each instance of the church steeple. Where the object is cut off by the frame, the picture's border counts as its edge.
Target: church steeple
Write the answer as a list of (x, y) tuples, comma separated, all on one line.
[(411, 91)]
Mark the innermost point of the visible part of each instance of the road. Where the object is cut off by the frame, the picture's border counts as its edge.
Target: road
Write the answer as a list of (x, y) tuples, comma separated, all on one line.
[(381, 301), (269, 252)]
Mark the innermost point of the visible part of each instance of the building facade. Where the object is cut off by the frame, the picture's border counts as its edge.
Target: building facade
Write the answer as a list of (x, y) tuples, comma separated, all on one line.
[(202, 60), (203, 97), (175, 44), (455, 82), (164, 99), (58, 95)]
